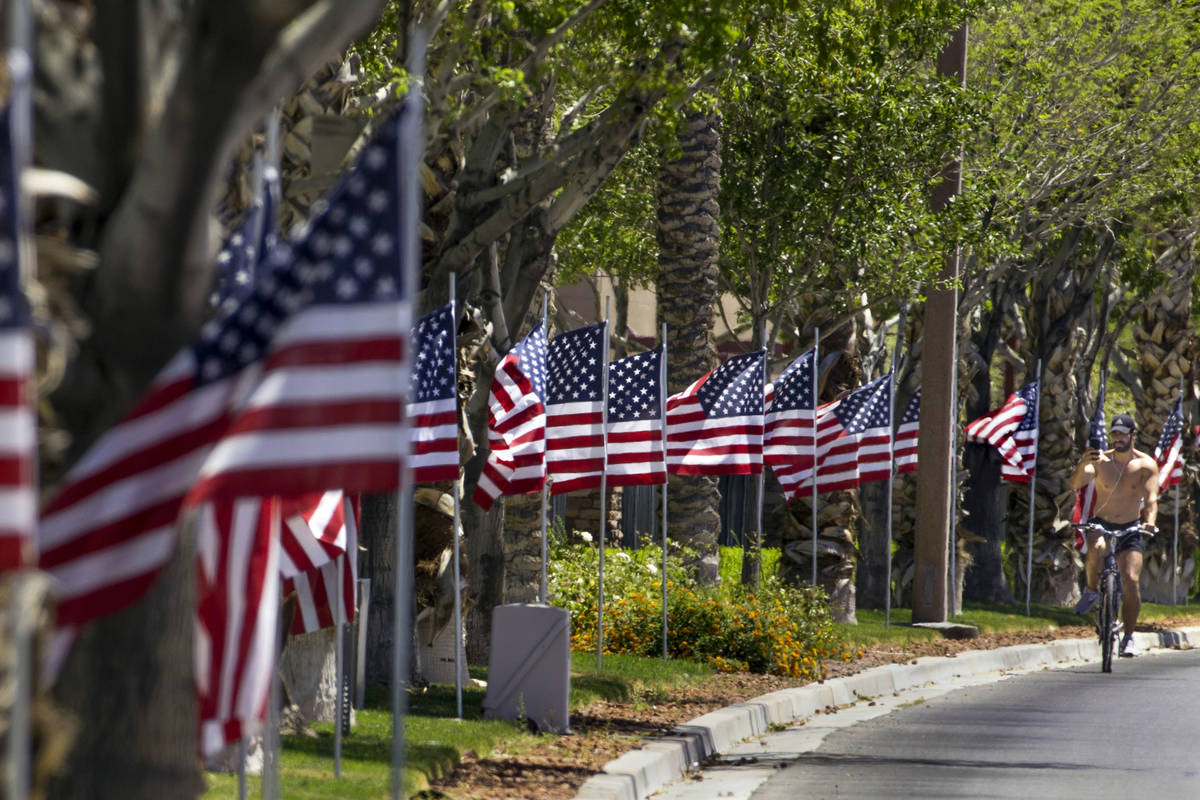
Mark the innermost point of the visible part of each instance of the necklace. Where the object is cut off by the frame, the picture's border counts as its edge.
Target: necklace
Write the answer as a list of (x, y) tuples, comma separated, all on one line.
[(1116, 483)]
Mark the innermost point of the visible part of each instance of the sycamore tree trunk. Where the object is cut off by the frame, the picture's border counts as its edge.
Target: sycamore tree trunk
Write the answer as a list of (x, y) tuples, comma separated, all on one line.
[(148, 107), (688, 238), (1166, 349)]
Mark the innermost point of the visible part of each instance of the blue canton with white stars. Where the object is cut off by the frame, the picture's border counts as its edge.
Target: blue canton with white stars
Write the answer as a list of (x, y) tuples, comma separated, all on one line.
[(635, 388), (1029, 394), (868, 407), (794, 388), (734, 389), (913, 412), (576, 361), (348, 255), (434, 345), (238, 259), (531, 356), (14, 311)]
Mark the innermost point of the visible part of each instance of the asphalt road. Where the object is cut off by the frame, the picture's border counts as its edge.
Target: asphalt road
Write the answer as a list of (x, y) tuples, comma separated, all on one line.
[(1071, 732)]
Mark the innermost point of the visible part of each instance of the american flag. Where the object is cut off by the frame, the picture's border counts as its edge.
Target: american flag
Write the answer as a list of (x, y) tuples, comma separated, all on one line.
[(316, 587), (788, 435), (854, 437), (434, 412), (635, 419), (1085, 498), (715, 426), (237, 615), (1166, 452), (575, 408), (314, 531), (1013, 430), (18, 440), (516, 423), (904, 452), (243, 552), (248, 245), (296, 390)]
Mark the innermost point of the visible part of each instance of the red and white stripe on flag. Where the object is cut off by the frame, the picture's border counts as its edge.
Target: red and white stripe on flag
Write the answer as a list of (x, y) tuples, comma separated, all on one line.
[(433, 413), (636, 454), (314, 531), (316, 589), (18, 444), (1167, 450), (237, 559), (715, 426), (904, 452), (574, 396), (1013, 430), (516, 423), (1085, 503), (18, 425), (298, 388), (788, 440), (854, 439)]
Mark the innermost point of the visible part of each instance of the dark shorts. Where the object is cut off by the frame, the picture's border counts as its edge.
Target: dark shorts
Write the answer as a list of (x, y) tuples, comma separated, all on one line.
[(1132, 541)]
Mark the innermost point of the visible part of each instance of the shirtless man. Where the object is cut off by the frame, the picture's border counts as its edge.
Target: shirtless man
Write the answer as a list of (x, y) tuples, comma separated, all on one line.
[(1126, 497)]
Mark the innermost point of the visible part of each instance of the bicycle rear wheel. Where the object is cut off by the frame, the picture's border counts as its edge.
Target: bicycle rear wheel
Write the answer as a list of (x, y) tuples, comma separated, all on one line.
[(1108, 619)]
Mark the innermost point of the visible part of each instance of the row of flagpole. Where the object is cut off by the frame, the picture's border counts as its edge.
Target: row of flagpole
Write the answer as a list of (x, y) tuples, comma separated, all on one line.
[(403, 556)]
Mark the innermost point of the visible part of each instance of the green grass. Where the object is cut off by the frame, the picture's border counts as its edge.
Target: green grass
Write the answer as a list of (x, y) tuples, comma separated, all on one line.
[(436, 740), (730, 567)]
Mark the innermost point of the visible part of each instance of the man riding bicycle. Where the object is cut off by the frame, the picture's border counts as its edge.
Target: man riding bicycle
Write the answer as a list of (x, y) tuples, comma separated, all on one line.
[(1126, 498)]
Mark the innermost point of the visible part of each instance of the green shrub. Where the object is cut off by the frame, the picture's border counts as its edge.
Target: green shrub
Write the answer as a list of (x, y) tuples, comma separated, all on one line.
[(778, 629)]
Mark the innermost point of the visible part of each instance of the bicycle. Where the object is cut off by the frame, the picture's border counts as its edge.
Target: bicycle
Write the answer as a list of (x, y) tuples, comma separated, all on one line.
[(1108, 613)]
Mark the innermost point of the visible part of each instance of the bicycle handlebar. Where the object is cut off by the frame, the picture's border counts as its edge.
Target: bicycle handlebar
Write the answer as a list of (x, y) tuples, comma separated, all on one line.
[(1142, 529)]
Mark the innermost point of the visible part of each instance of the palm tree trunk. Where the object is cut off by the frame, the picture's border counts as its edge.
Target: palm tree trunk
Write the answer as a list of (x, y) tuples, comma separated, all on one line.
[(1166, 349), (688, 237)]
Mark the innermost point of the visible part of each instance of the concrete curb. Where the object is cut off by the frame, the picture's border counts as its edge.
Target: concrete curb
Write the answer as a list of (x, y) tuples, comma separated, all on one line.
[(641, 773)]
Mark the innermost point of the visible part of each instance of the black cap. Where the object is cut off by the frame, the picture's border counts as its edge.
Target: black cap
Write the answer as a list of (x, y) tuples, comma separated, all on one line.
[(1123, 423)]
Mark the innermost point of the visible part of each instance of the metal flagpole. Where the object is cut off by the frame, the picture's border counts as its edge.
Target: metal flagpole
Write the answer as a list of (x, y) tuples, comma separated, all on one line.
[(887, 578), (270, 745), (815, 377), (1037, 404), (603, 489), (545, 584), (1175, 541), (952, 578), (268, 160), (762, 471), (339, 662), (662, 408), (457, 489), (412, 142), (20, 67)]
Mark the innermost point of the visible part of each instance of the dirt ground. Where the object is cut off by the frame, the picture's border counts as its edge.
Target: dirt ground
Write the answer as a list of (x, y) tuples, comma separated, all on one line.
[(554, 768)]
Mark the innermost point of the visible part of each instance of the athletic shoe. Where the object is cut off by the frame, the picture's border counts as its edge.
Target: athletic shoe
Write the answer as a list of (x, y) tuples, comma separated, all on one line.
[(1088, 601), (1128, 646)]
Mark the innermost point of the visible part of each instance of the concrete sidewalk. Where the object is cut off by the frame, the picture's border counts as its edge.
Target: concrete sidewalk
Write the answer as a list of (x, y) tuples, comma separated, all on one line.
[(662, 760)]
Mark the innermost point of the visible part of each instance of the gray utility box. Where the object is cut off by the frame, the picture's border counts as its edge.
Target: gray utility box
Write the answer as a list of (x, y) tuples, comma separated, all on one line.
[(529, 671)]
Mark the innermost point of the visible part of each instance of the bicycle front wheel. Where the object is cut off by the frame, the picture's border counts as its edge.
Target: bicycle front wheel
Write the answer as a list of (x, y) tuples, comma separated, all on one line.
[(1108, 619)]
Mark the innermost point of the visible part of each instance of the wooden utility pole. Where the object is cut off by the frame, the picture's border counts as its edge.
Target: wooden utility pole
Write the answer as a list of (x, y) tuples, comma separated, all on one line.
[(934, 492)]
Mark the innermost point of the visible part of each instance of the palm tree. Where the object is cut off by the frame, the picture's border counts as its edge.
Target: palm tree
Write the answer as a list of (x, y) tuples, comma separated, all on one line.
[(1166, 350), (688, 238)]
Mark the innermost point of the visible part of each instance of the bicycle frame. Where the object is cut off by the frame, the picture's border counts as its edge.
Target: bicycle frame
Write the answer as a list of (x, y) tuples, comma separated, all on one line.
[(1108, 609)]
